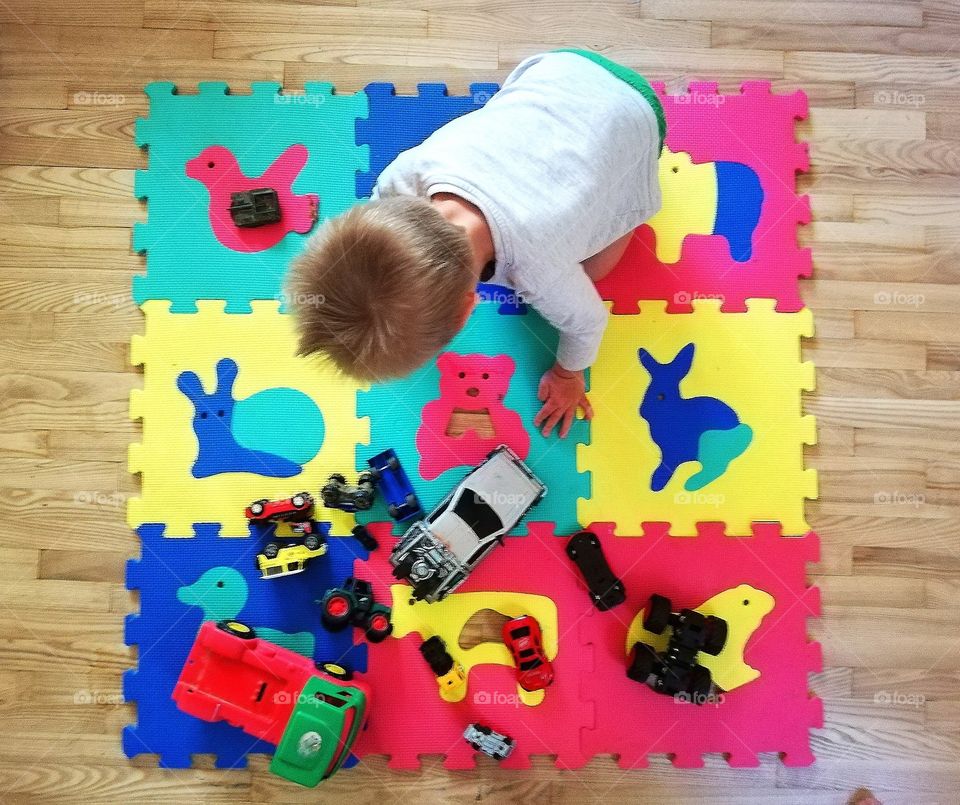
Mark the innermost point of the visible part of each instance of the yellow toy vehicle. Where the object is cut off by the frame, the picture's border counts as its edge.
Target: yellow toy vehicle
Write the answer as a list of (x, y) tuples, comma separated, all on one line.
[(449, 672), (277, 561)]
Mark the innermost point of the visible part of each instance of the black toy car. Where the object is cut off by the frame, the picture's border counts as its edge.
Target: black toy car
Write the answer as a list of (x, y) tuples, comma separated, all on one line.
[(338, 494), (255, 207), (606, 590), (353, 603), (676, 670)]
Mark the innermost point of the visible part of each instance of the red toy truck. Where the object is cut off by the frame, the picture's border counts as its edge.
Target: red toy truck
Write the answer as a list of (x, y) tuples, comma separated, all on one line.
[(312, 712)]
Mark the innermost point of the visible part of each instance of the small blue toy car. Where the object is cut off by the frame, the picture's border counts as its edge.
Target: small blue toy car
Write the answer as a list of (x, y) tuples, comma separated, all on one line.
[(402, 503)]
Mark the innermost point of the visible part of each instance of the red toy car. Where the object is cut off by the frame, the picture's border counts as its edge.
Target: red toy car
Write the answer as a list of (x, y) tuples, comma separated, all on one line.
[(293, 509), (525, 641)]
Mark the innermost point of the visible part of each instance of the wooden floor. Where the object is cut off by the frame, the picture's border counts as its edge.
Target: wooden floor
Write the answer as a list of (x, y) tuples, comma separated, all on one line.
[(884, 83)]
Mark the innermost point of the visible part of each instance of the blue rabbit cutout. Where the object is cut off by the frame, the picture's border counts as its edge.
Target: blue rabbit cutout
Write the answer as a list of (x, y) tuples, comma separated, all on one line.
[(702, 429), (220, 436)]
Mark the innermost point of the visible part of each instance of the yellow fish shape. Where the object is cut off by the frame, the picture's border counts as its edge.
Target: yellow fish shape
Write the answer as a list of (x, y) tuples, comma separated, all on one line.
[(742, 608), (448, 617)]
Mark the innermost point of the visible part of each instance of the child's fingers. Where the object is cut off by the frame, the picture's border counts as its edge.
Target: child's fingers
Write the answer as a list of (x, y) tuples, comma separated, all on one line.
[(551, 421), (543, 413), (568, 418), (587, 408)]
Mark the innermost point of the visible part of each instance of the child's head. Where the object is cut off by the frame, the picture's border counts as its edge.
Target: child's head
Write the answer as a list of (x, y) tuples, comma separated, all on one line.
[(380, 289)]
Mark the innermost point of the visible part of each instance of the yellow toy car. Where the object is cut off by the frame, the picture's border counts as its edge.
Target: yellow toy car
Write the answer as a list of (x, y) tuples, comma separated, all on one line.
[(449, 672), (277, 560)]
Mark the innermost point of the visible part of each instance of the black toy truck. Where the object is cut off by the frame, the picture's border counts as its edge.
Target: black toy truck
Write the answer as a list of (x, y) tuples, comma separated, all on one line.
[(255, 207), (353, 603), (676, 672)]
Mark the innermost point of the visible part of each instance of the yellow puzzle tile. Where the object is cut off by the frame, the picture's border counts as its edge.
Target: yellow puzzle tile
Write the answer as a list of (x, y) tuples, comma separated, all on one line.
[(271, 389), (750, 365)]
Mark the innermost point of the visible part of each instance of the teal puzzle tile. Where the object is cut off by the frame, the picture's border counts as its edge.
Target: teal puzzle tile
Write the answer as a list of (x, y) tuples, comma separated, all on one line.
[(185, 260), (396, 408)]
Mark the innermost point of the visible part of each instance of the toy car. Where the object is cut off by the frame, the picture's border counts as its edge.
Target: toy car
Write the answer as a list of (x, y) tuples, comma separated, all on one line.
[(676, 670), (338, 494), (285, 560), (492, 744), (296, 510), (449, 672), (524, 639), (437, 554), (606, 590), (402, 503), (312, 712), (255, 207), (364, 537), (354, 603)]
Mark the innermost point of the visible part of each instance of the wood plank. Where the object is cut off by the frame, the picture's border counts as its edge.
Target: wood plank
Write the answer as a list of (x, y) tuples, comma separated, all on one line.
[(72, 183), (905, 564), (864, 263), (925, 97), (596, 29), (98, 445), (96, 74), (777, 35), (30, 209), (869, 233), (920, 210), (881, 295), (668, 62), (866, 412), (352, 49), (73, 565), (29, 12), (97, 39), (809, 65), (85, 297), (867, 181), (831, 207), (231, 15), (840, 12), (863, 124), (905, 326), (25, 442), (943, 125), (832, 353), (888, 384), (25, 93)]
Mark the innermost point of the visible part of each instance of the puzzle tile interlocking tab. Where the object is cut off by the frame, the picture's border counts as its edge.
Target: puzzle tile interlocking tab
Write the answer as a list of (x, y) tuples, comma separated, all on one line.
[(181, 583), (746, 364), (271, 386), (708, 244), (185, 261)]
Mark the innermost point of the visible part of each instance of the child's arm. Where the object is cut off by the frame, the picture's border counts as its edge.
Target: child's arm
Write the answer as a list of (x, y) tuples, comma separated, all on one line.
[(574, 307)]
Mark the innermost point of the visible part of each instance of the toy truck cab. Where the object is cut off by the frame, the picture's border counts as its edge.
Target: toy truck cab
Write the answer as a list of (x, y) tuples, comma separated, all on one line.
[(437, 554), (274, 694), (402, 502)]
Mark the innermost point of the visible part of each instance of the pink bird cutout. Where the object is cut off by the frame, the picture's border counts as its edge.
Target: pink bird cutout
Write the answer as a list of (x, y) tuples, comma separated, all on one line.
[(219, 171)]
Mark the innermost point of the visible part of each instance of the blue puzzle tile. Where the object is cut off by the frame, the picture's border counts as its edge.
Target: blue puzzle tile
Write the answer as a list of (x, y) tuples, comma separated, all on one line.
[(398, 122), (184, 581)]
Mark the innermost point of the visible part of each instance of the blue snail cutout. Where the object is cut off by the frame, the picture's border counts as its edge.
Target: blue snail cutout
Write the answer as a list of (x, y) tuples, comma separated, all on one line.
[(686, 429), (272, 433)]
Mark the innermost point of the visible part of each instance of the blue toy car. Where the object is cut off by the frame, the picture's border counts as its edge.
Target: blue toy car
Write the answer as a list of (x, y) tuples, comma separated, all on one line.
[(402, 503)]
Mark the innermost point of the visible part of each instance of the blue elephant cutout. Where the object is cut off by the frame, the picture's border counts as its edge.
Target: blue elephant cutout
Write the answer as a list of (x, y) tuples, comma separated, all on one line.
[(703, 429), (273, 432)]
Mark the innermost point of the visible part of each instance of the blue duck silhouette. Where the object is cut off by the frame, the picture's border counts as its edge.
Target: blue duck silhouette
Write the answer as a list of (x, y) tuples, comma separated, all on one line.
[(272, 433), (686, 429)]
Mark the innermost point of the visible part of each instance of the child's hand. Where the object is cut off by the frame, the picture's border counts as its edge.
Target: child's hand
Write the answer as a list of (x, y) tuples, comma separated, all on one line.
[(561, 392)]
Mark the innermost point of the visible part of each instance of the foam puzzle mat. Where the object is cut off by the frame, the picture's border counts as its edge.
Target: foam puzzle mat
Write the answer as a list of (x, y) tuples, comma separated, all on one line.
[(691, 473)]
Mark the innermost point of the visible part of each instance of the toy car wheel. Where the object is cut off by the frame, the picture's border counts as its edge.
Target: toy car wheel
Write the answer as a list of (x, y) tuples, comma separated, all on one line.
[(716, 635), (402, 570), (237, 629), (701, 684), (644, 660), (336, 670), (393, 510), (311, 541), (271, 550), (411, 501), (337, 478), (337, 610), (299, 500), (378, 628), (393, 463), (657, 616), (474, 746), (256, 508)]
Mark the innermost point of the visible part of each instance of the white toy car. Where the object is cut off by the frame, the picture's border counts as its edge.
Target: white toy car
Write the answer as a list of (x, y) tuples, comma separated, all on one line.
[(437, 554), (491, 743)]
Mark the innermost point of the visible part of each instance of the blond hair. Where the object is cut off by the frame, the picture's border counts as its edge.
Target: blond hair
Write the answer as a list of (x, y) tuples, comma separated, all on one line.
[(380, 289)]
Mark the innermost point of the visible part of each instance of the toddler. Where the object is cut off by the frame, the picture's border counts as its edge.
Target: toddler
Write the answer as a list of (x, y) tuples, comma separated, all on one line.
[(537, 191)]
